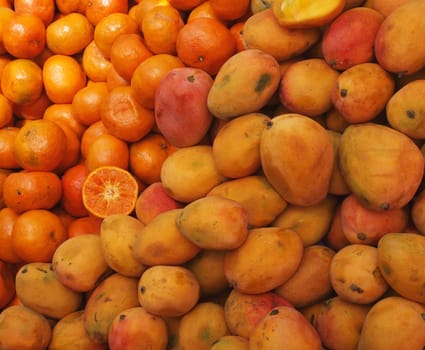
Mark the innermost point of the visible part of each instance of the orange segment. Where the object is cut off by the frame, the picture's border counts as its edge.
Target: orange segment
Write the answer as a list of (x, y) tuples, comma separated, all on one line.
[(306, 13), (109, 190)]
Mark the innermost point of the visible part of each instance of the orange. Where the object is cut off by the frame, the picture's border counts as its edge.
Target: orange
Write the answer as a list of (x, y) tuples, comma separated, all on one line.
[(114, 79), (22, 81), (87, 103), (6, 112), (36, 235), (204, 10), (63, 76), (7, 221), (33, 110), (6, 13), (144, 6), (62, 114), (7, 140), (7, 283), (205, 43), (67, 6), (89, 135), (110, 190), (96, 10), (4, 173), (72, 149), (24, 35), (127, 52), (110, 27), (72, 184), (147, 156), (107, 150), (95, 64), (230, 9), (148, 74), (43, 9), (185, 5), (39, 145), (69, 34), (84, 225), (237, 31), (124, 117), (160, 27)]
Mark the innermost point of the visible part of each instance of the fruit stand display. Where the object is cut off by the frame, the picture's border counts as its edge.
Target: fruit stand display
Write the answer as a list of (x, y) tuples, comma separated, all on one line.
[(212, 174)]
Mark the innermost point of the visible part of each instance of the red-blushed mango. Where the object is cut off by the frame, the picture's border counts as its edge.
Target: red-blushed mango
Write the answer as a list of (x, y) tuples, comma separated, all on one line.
[(260, 200), (38, 288), (168, 290), (311, 223), (362, 225), (208, 268), (181, 112), (236, 146), (306, 87), (79, 262), (311, 282), (305, 14), (69, 333), (214, 222), (152, 201), (202, 326), (249, 79), (401, 257), (160, 242), (362, 91), (393, 322), (286, 43), (337, 185), (339, 323), (355, 275), (113, 295), (252, 267), (190, 173), (381, 166), (350, 38), (284, 328), (405, 109), (298, 165), (135, 328), (400, 31), (23, 328), (244, 311)]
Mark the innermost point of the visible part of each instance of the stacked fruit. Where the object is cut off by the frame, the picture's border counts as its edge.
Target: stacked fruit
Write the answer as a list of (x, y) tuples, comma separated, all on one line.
[(212, 174)]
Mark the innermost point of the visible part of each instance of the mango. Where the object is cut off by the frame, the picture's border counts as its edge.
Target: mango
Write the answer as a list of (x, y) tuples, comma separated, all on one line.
[(381, 166), (291, 159)]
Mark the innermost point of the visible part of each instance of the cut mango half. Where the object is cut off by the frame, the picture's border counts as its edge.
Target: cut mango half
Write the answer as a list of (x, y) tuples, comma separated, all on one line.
[(306, 13)]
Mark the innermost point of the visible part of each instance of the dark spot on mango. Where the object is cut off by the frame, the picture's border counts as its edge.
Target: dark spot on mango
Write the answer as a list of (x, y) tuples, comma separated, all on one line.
[(410, 114), (191, 78), (274, 312), (356, 288), (343, 92), (361, 236), (41, 270), (51, 267), (142, 289), (206, 335), (332, 63), (269, 124), (123, 317), (24, 270), (386, 269), (107, 300), (385, 206), (262, 82), (18, 192)]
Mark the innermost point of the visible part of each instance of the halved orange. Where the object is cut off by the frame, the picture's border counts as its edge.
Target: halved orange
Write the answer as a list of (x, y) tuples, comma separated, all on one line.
[(109, 190)]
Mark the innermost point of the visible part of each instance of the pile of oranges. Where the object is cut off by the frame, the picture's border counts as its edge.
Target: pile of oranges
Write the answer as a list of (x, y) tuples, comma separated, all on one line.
[(78, 81)]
